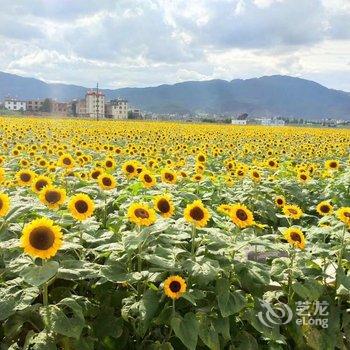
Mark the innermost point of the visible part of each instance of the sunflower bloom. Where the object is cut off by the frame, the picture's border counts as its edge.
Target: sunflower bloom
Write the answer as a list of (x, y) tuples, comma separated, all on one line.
[(241, 216), (41, 238), (343, 214), (292, 211), (197, 214), (81, 206), (324, 208), (295, 237), (164, 205), (4, 204), (174, 287), (106, 181), (52, 197), (141, 215)]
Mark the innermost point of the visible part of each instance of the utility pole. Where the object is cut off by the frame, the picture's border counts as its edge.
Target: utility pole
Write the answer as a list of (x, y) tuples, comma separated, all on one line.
[(97, 100)]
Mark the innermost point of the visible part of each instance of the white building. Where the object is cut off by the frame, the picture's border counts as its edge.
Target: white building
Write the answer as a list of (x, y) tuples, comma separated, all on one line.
[(117, 109), (15, 105), (238, 122), (95, 104), (273, 122)]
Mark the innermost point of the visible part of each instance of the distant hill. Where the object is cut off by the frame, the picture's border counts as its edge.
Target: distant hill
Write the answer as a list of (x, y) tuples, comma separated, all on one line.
[(266, 96)]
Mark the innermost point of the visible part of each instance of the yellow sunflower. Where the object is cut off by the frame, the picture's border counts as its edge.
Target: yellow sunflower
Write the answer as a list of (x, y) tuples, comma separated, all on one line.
[(106, 181), (343, 214), (332, 164), (39, 182), (81, 206), (324, 208), (130, 168), (4, 204), (147, 179), (255, 175), (197, 214), (241, 216), (95, 173), (25, 177), (168, 176), (303, 177), (280, 201), (174, 287), (140, 214), (52, 197), (224, 209), (292, 211), (66, 161), (295, 237), (2, 175), (164, 205), (41, 238)]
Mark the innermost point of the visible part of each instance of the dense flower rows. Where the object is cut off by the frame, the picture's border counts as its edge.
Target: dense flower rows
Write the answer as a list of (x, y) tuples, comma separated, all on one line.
[(153, 235)]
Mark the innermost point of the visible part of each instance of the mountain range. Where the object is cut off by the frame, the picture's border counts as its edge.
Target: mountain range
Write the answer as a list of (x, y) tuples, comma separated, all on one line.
[(276, 95)]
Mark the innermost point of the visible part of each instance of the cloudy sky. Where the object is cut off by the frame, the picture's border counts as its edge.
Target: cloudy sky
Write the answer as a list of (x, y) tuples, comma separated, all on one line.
[(149, 42)]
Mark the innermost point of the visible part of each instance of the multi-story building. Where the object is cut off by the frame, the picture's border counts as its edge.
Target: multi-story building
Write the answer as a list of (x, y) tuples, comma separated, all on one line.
[(59, 108), (15, 105), (95, 104), (34, 105), (117, 109)]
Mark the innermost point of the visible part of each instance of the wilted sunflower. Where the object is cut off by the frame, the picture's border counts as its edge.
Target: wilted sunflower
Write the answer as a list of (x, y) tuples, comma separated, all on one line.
[(164, 205), (106, 181), (295, 237), (148, 180), (280, 201), (343, 214), (168, 176), (39, 182), (81, 206), (197, 214), (174, 287), (241, 216), (324, 208), (292, 211), (41, 238), (66, 161), (140, 214), (4, 204), (52, 196), (25, 177)]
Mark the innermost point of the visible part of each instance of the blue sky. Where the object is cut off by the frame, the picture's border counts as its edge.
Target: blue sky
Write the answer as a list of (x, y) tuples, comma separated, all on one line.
[(150, 42)]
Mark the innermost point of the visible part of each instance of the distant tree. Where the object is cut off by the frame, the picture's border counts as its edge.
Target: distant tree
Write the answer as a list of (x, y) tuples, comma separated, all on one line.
[(46, 107)]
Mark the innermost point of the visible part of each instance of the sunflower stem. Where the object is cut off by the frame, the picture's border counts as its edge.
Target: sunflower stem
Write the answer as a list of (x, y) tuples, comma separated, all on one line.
[(290, 275), (193, 237), (340, 258)]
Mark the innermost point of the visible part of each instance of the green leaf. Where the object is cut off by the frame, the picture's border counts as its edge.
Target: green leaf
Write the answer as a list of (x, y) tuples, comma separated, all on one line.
[(148, 308), (186, 329), (310, 289), (208, 334), (56, 319), (229, 302), (38, 275)]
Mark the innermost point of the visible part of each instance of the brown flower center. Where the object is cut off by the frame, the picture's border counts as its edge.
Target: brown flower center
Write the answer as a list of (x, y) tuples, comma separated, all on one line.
[(169, 177), (25, 177), (295, 237), (147, 178), (333, 164), (41, 184), (292, 211), (41, 238), (130, 169), (325, 208), (109, 164), (163, 205), (81, 206), (279, 201), (141, 213), (95, 174), (52, 196), (67, 161), (347, 214), (201, 158), (107, 181), (1, 204), (197, 213), (175, 286), (241, 214)]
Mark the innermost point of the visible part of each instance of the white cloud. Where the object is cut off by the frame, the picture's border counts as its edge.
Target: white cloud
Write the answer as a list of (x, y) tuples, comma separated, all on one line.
[(165, 41)]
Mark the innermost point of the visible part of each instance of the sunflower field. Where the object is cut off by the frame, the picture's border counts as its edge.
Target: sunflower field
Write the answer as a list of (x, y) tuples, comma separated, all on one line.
[(157, 235)]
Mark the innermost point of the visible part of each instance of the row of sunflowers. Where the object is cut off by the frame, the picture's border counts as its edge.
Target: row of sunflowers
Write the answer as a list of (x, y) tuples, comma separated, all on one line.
[(155, 235)]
